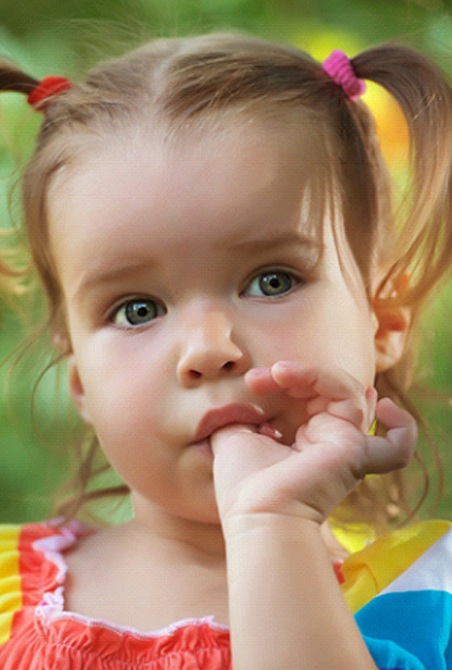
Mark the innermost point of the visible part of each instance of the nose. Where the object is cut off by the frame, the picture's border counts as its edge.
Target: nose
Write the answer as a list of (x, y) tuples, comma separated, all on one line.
[(209, 349)]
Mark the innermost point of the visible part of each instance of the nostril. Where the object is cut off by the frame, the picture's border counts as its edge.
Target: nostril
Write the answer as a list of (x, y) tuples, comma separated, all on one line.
[(229, 365), (195, 374)]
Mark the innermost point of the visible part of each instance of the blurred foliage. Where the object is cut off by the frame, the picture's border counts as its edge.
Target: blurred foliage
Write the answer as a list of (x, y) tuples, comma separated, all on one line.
[(66, 37)]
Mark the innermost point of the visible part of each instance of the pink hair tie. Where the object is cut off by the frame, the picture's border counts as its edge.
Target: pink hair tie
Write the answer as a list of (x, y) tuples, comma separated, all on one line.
[(339, 68), (47, 88)]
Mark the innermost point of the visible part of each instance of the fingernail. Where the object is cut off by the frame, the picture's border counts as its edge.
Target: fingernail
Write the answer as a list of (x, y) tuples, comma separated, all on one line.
[(285, 365), (269, 431), (371, 394)]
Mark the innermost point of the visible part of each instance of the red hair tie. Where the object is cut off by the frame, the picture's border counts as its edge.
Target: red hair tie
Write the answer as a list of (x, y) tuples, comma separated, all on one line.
[(339, 68), (47, 88)]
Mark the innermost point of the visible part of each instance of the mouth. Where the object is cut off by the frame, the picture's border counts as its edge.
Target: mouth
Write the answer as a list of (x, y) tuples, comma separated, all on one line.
[(227, 415)]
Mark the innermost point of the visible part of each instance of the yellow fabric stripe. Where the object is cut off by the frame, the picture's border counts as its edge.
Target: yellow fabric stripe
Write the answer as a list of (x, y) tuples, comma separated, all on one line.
[(354, 536), (369, 571), (10, 580)]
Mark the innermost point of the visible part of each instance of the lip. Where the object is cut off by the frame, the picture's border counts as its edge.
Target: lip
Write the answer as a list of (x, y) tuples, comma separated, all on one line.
[(217, 418)]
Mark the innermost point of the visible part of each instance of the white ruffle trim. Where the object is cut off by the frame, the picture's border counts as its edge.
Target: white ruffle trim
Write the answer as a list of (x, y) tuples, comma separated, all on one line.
[(52, 609)]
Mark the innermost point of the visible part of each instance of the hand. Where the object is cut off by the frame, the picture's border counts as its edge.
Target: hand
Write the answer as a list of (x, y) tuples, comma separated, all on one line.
[(331, 453)]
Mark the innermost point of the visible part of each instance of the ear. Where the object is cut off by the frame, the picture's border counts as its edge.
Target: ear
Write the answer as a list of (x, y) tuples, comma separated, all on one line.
[(76, 389), (391, 333)]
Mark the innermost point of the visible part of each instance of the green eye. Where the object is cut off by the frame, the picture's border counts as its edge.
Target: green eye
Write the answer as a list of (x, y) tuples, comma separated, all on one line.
[(271, 283), (137, 312)]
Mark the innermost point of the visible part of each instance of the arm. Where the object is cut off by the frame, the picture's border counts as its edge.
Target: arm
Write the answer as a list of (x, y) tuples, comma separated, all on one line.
[(286, 608)]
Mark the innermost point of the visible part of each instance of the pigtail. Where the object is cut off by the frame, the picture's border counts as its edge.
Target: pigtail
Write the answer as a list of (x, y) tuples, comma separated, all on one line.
[(14, 79), (11, 79), (417, 258), (39, 93), (424, 231)]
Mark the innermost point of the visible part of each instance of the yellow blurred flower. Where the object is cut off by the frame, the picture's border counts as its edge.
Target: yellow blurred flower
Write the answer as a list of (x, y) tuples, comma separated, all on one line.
[(392, 131)]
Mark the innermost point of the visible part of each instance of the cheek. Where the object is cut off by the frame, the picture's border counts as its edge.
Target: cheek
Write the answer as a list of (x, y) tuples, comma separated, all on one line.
[(123, 390), (348, 341), (328, 329)]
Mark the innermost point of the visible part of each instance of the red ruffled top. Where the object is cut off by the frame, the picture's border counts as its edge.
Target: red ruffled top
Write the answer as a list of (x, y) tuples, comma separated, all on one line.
[(37, 634)]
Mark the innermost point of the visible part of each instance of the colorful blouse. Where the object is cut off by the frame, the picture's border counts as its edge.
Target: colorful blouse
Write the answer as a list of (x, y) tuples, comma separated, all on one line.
[(400, 589)]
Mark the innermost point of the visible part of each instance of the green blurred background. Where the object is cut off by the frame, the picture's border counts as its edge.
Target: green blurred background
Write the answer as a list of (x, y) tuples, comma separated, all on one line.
[(67, 36)]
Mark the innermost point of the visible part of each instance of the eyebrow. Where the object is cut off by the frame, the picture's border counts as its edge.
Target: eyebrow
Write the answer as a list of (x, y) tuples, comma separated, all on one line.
[(309, 247), (97, 277), (312, 248), (295, 238)]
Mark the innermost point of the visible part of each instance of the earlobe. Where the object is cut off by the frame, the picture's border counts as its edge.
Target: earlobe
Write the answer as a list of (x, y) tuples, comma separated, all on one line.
[(391, 334), (76, 389)]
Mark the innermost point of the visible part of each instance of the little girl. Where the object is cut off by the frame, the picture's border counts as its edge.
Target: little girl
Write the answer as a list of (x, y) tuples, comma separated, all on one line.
[(226, 276)]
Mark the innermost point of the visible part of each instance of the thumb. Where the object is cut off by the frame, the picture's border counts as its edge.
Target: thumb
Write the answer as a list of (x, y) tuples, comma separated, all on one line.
[(230, 435)]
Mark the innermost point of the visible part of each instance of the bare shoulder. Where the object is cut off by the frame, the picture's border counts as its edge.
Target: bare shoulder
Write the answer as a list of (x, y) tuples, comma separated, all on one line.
[(118, 577), (94, 582)]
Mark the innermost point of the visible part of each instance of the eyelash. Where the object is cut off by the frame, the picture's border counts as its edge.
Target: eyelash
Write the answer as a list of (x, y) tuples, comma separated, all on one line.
[(123, 314), (273, 278), (145, 310)]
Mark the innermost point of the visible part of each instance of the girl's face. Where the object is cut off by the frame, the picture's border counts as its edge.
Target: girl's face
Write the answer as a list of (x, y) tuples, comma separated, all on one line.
[(183, 265)]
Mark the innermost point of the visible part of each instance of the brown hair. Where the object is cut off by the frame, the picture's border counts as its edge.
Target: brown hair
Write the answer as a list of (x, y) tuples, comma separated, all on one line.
[(8, 277), (177, 82), (12, 280)]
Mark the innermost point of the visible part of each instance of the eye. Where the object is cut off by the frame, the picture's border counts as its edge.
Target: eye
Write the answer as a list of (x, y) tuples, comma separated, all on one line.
[(272, 283), (137, 312)]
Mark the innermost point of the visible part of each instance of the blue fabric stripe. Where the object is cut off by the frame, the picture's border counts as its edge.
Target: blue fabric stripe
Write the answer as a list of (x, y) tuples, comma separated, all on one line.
[(409, 630)]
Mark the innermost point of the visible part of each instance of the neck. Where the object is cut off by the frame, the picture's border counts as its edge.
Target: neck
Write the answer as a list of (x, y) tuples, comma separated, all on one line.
[(200, 541), (195, 540)]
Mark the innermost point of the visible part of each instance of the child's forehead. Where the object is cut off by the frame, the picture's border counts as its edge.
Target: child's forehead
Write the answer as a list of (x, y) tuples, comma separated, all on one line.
[(231, 141), (221, 166), (225, 191), (257, 182)]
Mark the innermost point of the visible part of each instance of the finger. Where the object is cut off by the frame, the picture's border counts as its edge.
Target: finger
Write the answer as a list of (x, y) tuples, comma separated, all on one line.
[(266, 429), (261, 381), (391, 416), (329, 390), (358, 409), (332, 390), (301, 381), (396, 449), (371, 399), (353, 410), (231, 430)]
